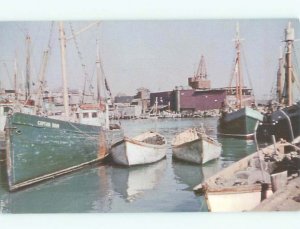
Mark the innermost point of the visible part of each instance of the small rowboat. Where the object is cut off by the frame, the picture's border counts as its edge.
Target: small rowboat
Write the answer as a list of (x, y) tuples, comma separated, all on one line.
[(146, 148), (193, 145), (244, 184)]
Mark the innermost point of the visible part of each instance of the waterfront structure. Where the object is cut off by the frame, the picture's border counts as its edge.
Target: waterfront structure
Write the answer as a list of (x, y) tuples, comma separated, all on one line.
[(189, 100), (199, 80), (123, 99), (125, 111)]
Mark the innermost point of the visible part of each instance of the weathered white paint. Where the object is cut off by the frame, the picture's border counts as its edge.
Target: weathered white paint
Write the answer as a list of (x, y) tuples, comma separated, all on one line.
[(2, 123), (195, 147), (233, 202), (223, 198), (239, 198), (134, 151)]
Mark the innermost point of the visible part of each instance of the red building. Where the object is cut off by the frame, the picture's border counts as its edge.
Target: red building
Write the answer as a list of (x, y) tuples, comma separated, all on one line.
[(189, 100)]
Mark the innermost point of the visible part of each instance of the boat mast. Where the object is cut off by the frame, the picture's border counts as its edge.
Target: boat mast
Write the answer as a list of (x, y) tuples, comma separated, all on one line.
[(43, 70), (15, 78), (28, 68), (289, 39), (63, 67), (100, 72), (279, 78), (239, 83), (98, 64), (42, 77)]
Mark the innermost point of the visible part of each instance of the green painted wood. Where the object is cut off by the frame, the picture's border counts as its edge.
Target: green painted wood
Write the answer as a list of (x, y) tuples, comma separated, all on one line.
[(241, 125), (38, 146)]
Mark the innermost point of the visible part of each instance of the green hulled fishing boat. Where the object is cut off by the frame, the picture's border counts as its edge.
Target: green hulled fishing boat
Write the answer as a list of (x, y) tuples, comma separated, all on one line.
[(239, 120), (40, 148), (240, 123)]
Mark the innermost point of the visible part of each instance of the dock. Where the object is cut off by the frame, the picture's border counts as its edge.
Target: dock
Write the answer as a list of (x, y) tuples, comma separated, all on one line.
[(285, 199)]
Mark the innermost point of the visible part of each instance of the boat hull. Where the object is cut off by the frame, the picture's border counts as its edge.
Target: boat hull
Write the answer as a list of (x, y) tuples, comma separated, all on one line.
[(242, 185), (40, 148), (130, 152), (2, 132), (236, 199), (197, 151), (240, 124), (283, 123)]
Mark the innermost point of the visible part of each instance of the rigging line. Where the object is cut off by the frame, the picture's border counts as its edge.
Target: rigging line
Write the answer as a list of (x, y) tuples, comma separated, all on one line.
[(22, 30), (296, 59), (8, 74), (80, 59), (232, 74), (50, 36), (82, 132), (105, 79), (295, 72), (247, 72)]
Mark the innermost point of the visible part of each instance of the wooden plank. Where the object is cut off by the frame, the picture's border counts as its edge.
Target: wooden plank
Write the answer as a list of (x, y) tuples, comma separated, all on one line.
[(279, 180)]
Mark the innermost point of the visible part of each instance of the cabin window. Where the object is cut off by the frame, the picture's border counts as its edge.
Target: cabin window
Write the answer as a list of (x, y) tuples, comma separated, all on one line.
[(7, 110), (85, 115), (77, 115), (94, 115)]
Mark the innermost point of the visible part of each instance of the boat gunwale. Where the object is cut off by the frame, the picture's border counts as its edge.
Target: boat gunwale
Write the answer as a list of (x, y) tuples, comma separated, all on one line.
[(209, 184), (147, 145), (51, 119), (234, 189), (203, 136), (209, 140)]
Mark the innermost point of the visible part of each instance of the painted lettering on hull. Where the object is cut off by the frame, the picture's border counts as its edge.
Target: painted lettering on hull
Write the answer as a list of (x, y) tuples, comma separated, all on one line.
[(48, 124)]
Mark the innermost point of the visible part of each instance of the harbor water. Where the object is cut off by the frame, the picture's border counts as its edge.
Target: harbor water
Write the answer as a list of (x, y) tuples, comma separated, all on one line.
[(164, 186)]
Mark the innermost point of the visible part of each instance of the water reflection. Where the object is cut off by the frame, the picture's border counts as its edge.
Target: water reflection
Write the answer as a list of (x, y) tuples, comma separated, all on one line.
[(234, 149), (193, 174), (75, 193), (132, 182), (3, 189)]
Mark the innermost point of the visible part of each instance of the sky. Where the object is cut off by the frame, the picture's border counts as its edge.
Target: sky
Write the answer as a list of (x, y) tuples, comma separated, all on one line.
[(155, 54)]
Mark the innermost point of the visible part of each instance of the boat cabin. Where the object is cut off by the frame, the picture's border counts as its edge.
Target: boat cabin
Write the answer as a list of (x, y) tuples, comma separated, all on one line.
[(90, 116)]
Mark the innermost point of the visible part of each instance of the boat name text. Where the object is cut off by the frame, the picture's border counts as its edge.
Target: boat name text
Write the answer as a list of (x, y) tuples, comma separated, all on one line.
[(48, 124)]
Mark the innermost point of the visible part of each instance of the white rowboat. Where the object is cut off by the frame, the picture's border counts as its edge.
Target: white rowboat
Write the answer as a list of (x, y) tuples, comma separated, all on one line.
[(146, 148), (193, 145), (243, 185)]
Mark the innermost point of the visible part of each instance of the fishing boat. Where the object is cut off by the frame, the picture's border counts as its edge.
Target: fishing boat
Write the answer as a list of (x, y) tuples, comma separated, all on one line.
[(283, 118), (240, 119), (145, 148), (14, 100), (40, 148), (193, 145), (245, 183)]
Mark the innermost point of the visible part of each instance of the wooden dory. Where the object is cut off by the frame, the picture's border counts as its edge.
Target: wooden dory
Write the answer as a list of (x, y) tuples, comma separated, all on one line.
[(242, 185), (146, 148), (193, 145)]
